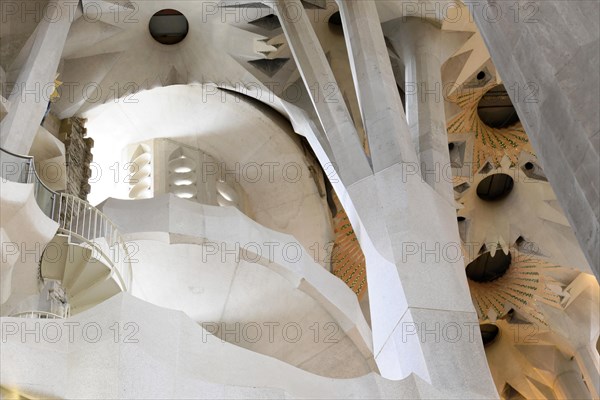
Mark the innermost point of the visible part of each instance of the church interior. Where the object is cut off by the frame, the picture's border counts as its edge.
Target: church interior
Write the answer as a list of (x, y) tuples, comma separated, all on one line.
[(299, 199)]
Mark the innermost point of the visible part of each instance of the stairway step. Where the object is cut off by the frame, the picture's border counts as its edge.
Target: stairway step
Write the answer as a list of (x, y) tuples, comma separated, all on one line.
[(78, 258), (54, 258), (93, 271), (95, 294)]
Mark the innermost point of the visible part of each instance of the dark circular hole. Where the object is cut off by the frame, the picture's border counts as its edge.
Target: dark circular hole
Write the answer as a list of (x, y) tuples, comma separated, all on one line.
[(481, 76), (489, 333), (460, 219), (529, 166), (336, 19), (495, 187), (496, 110), (486, 268), (168, 26), (450, 146)]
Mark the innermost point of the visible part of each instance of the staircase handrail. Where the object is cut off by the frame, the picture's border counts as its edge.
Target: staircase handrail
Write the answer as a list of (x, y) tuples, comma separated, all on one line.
[(66, 210), (37, 314)]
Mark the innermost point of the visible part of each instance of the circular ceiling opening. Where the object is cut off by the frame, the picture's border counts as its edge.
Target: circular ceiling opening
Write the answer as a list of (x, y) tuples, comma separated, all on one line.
[(486, 268), (489, 333), (495, 187), (529, 166), (336, 19), (495, 108), (481, 76), (168, 26)]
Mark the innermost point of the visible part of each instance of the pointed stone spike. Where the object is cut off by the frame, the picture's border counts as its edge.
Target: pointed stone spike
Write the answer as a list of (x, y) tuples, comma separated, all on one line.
[(113, 12), (479, 56), (79, 70), (83, 35), (452, 42), (174, 77), (493, 248)]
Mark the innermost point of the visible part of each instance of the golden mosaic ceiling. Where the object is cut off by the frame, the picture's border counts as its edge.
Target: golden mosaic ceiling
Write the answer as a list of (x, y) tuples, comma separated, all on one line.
[(347, 258), (489, 144), (525, 284)]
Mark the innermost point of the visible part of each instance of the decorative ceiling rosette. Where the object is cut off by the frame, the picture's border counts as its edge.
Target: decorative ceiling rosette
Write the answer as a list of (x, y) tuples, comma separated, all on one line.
[(526, 212), (489, 144), (525, 283), (516, 240)]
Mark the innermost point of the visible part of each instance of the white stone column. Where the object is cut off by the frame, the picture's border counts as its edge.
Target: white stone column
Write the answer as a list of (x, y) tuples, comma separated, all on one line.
[(378, 98), (422, 316), (29, 98), (419, 43), (333, 114), (576, 330), (588, 360), (569, 385)]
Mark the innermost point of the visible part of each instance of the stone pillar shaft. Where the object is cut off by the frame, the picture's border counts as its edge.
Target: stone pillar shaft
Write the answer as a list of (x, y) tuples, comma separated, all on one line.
[(351, 161), (35, 83), (422, 316), (589, 362), (420, 43), (379, 100), (569, 385)]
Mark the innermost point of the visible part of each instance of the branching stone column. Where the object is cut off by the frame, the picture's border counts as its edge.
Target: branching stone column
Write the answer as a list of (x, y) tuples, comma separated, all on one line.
[(332, 112), (379, 101), (422, 316), (423, 48), (35, 82)]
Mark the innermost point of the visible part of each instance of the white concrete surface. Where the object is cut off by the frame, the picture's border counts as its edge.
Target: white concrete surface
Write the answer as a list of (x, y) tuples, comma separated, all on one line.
[(160, 353), (223, 269), (256, 145), (25, 232)]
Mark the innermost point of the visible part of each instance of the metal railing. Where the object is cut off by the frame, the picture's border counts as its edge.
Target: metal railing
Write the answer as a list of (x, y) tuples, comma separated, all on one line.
[(38, 314), (76, 218), (84, 223)]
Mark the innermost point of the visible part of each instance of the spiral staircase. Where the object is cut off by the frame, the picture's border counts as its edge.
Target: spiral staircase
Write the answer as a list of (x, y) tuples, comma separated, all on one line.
[(87, 258), (86, 279)]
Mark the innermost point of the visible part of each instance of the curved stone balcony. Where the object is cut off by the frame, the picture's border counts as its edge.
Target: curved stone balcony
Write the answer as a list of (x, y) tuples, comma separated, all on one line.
[(244, 283), (164, 354)]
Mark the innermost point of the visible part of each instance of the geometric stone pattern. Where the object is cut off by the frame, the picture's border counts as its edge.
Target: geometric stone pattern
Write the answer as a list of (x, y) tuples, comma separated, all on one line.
[(489, 144)]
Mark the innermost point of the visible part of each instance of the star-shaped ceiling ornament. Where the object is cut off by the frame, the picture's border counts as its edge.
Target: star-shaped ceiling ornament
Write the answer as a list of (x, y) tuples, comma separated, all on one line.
[(528, 281), (528, 213), (489, 144)]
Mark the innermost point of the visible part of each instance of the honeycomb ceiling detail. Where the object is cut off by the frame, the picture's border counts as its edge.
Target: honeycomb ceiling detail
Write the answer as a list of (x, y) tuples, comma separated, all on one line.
[(530, 211), (347, 258), (526, 283), (489, 144)]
